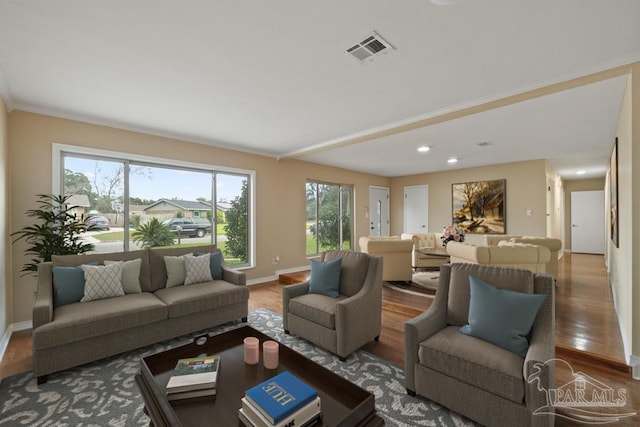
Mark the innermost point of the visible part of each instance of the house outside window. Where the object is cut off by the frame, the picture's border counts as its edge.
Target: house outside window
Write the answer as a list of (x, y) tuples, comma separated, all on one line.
[(131, 192)]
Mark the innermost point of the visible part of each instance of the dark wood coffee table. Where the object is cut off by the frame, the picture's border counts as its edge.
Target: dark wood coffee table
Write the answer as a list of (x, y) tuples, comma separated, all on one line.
[(343, 403)]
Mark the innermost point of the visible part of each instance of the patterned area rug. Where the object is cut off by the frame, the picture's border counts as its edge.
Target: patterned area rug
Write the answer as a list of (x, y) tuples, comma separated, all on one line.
[(104, 393)]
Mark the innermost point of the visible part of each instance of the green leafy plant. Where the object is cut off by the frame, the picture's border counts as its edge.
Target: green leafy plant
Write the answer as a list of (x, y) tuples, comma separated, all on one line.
[(237, 226), (152, 234), (56, 233)]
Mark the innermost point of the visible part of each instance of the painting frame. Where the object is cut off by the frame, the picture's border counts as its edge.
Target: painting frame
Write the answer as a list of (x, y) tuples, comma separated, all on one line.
[(613, 195), (479, 207)]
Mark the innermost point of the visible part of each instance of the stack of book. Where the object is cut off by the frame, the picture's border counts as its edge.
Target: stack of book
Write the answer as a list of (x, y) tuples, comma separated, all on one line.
[(283, 400), (194, 377)]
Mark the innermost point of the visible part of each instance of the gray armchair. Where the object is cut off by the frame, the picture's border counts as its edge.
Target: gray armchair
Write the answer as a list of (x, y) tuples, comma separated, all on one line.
[(343, 324), (480, 380)]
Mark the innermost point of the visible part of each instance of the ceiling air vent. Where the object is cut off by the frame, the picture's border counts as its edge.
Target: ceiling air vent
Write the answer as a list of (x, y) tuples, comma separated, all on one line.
[(370, 48)]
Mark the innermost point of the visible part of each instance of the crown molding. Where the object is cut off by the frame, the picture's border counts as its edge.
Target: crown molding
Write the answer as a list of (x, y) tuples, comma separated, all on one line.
[(129, 127), (5, 93), (586, 76)]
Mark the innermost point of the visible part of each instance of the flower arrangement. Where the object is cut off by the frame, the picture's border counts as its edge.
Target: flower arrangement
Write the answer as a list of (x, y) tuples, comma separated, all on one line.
[(452, 233)]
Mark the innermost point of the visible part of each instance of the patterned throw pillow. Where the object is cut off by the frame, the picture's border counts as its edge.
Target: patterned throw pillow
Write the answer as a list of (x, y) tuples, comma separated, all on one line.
[(197, 269), (102, 281), (130, 275)]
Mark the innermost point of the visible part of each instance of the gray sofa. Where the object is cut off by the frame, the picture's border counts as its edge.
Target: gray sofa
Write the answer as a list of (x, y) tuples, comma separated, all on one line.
[(81, 332)]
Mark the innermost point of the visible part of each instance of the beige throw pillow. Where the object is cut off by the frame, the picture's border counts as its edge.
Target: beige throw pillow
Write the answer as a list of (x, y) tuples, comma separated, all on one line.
[(197, 269), (130, 275), (175, 270), (102, 281)]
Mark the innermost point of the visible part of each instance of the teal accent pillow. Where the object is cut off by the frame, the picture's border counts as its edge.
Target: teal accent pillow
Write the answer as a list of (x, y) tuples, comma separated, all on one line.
[(325, 277), (500, 316), (68, 285), (215, 263)]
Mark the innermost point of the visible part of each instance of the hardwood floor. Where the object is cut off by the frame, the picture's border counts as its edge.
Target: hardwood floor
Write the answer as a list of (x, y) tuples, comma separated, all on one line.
[(587, 333)]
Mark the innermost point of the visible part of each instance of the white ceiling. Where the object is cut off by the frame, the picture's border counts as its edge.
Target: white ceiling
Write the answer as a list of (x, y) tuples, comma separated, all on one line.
[(271, 77)]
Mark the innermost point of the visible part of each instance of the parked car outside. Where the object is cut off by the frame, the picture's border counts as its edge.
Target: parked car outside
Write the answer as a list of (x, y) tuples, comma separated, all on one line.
[(98, 222), (191, 227)]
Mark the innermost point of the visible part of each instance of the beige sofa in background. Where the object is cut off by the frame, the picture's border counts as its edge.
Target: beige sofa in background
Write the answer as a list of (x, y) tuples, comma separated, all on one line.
[(395, 253), (508, 254), (554, 246), (421, 241)]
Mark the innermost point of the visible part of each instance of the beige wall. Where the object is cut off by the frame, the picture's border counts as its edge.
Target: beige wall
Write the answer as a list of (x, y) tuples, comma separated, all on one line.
[(280, 187), (577, 185), (526, 183), (5, 293), (623, 266)]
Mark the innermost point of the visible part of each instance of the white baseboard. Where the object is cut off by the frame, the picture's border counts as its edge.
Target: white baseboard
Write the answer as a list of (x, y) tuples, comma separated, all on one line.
[(6, 337), (634, 361), (259, 280), (626, 347)]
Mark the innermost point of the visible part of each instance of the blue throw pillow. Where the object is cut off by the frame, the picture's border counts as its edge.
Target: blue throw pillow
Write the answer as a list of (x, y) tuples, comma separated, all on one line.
[(68, 285), (325, 277), (215, 264), (500, 316)]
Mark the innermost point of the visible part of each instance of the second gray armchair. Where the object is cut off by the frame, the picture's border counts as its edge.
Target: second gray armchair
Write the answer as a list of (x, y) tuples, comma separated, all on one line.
[(345, 323)]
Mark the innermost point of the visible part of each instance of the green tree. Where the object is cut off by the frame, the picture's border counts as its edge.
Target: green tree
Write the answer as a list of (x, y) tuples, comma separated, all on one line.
[(326, 231), (56, 233), (237, 226), (152, 234), (76, 183)]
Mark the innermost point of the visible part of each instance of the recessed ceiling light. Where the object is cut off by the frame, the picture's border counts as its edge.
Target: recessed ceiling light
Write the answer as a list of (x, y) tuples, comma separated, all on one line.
[(452, 160), (424, 149), (581, 172)]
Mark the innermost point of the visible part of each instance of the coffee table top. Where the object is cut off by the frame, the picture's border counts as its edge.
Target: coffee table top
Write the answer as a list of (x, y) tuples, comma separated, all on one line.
[(439, 251), (343, 403)]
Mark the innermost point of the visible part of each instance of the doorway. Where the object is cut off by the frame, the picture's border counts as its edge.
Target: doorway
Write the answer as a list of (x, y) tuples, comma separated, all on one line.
[(378, 211), (587, 222), (416, 209)]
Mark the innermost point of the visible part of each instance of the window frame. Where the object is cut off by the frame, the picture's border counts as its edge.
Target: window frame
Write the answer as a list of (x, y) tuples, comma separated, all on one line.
[(57, 179), (341, 187)]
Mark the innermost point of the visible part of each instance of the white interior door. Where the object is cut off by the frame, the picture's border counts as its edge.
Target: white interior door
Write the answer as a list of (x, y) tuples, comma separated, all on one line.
[(416, 209), (587, 222), (379, 211)]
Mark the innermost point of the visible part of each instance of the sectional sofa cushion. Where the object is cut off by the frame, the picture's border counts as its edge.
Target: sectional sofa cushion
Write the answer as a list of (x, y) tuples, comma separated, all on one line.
[(176, 271), (158, 271), (500, 316), (102, 281), (130, 275), (320, 309), (477, 362), (197, 269), (325, 277), (68, 285), (76, 322), (98, 258), (199, 297)]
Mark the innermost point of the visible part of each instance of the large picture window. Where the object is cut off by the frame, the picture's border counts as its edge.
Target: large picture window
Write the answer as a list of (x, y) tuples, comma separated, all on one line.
[(148, 202), (329, 217)]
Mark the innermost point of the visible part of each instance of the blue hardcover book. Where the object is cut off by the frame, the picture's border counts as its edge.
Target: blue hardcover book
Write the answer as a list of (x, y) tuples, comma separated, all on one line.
[(281, 396)]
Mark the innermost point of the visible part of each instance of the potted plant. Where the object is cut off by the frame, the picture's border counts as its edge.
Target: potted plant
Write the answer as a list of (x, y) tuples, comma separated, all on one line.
[(56, 232)]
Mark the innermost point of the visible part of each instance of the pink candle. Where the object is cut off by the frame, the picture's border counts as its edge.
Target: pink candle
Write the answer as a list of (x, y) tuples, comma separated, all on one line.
[(251, 350), (270, 354)]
